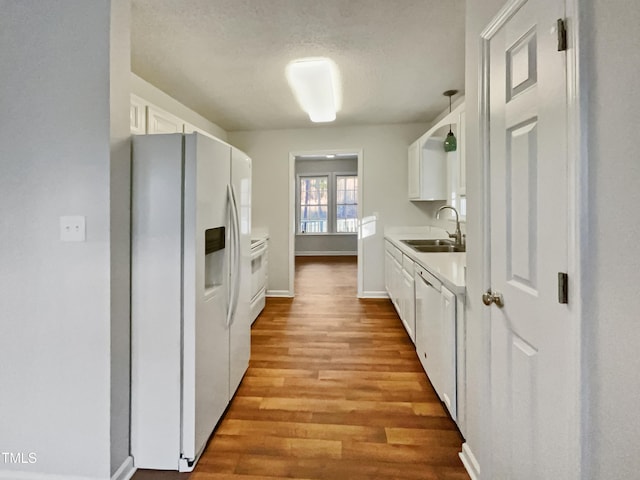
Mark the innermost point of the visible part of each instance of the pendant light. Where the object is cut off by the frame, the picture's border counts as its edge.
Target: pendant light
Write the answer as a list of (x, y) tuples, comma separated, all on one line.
[(450, 143)]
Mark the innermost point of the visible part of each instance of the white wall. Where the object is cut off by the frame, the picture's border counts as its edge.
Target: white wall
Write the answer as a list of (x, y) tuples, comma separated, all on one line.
[(384, 186), (612, 305), (154, 95), (57, 310)]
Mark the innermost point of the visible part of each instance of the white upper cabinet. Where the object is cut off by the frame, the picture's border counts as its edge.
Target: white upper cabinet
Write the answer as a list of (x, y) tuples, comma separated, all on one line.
[(138, 116), (159, 121), (433, 173), (414, 171), (146, 118)]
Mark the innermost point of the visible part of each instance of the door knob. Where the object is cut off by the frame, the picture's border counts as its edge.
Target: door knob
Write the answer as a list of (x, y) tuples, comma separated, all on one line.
[(490, 297)]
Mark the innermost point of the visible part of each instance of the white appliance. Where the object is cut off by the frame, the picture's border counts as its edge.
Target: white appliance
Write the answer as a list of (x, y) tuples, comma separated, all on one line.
[(259, 266), (436, 336), (191, 227)]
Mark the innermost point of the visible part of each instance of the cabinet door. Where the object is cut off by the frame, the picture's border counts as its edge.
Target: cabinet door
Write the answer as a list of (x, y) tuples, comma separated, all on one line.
[(414, 170), (421, 327), (408, 305), (160, 121), (448, 350), (388, 273), (137, 116), (396, 286)]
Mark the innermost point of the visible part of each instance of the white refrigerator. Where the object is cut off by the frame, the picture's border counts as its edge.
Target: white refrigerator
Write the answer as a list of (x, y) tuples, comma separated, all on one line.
[(190, 274)]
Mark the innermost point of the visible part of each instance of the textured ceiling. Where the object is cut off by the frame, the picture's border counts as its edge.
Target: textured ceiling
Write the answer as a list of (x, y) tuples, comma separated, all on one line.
[(226, 59)]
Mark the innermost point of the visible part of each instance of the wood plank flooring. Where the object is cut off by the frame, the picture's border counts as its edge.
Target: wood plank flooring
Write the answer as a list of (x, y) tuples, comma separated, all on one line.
[(334, 390)]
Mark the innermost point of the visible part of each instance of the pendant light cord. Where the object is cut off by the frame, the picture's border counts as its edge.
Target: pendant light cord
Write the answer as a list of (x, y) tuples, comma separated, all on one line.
[(450, 112)]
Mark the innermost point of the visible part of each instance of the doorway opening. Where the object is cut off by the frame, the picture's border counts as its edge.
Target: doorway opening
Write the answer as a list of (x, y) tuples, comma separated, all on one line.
[(325, 208)]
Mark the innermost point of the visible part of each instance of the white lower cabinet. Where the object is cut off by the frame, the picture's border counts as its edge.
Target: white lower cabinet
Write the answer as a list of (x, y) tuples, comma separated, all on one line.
[(400, 286), (434, 318), (396, 286), (407, 302), (392, 274)]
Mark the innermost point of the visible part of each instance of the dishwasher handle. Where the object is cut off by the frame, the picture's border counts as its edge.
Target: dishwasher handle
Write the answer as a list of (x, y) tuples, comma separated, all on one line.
[(423, 275)]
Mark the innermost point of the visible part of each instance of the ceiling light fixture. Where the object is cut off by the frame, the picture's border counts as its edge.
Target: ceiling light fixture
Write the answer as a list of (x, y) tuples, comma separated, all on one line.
[(450, 143), (316, 85)]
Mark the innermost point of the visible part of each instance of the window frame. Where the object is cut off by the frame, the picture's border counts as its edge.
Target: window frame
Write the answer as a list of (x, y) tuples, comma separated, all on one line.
[(332, 223), (299, 204), (335, 205)]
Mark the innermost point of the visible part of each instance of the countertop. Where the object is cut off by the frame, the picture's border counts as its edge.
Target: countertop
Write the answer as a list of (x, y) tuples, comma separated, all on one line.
[(449, 268)]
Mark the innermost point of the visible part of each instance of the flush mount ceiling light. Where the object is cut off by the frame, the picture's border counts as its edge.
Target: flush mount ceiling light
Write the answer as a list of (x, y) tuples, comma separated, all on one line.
[(316, 85)]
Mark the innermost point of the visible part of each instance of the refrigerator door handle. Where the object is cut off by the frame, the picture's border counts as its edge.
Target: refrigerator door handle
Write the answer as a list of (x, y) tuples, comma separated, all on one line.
[(237, 255), (232, 249)]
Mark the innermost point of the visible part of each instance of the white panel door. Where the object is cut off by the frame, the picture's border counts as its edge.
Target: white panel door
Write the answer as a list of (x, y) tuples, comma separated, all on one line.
[(532, 408)]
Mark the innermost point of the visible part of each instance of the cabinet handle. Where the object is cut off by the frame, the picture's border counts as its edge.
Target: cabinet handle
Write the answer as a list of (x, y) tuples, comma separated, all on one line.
[(490, 297)]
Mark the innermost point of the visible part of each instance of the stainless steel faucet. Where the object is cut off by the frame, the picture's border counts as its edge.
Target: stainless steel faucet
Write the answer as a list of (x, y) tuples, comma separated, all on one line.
[(458, 233)]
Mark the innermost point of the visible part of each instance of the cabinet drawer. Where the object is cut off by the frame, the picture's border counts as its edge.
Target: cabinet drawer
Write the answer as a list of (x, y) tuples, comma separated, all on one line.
[(408, 265), (394, 251)]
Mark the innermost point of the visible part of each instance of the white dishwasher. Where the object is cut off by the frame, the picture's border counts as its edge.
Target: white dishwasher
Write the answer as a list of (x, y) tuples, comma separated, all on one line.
[(436, 335)]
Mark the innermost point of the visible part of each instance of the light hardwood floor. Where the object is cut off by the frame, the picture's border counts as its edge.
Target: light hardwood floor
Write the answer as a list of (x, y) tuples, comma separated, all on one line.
[(334, 390)]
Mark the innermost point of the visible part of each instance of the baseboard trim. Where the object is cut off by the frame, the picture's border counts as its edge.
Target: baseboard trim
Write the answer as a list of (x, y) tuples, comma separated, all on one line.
[(374, 294), (126, 470), (11, 475), (279, 293), (337, 253), (469, 461)]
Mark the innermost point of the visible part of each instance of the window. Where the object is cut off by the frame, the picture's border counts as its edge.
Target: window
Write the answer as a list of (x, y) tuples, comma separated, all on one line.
[(346, 204), (328, 203), (314, 204)]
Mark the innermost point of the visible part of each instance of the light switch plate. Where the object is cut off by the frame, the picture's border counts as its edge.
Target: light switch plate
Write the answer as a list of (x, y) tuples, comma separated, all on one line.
[(73, 228)]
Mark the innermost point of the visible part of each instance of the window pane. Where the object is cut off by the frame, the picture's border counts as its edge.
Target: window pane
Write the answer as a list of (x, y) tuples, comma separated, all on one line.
[(314, 220), (346, 204), (313, 204), (313, 190)]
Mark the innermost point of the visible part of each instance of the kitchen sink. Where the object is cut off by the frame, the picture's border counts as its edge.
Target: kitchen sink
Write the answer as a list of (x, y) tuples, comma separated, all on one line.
[(438, 248), (428, 242)]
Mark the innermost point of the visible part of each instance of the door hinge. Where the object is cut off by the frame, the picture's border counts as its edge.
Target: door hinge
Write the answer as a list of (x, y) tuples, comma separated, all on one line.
[(562, 35), (563, 287)]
